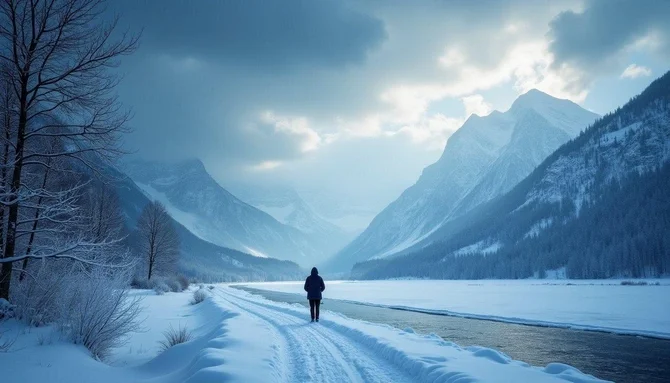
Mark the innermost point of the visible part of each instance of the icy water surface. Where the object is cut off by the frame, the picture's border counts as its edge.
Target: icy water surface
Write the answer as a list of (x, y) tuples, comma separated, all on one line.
[(619, 358)]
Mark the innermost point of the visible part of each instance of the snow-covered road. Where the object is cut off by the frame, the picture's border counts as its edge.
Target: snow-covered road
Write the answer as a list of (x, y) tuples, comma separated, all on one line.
[(313, 352)]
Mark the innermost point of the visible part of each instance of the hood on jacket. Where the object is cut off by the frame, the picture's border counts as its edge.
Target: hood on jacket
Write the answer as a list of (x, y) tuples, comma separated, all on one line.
[(315, 271)]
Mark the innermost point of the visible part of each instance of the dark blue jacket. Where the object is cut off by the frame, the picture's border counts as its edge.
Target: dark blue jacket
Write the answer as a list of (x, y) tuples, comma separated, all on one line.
[(314, 285)]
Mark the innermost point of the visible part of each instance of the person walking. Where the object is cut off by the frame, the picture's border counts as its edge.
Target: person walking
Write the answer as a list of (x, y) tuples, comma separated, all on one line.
[(314, 286)]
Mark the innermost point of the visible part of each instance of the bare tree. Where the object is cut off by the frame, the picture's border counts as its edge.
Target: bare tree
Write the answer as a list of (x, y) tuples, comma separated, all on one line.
[(159, 242), (56, 57), (6, 110), (104, 216)]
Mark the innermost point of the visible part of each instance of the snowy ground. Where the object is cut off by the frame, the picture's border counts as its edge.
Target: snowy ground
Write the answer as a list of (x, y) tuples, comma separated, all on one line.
[(244, 338), (602, 305)]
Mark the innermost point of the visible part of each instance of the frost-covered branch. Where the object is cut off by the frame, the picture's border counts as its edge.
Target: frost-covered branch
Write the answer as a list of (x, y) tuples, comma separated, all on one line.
[(66, 253)]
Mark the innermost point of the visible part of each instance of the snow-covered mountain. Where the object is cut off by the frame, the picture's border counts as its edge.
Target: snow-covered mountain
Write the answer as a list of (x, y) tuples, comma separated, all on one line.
[(485, 158), (340, 210), (199, 258), (209, 211), (286, 206), (597, 207)]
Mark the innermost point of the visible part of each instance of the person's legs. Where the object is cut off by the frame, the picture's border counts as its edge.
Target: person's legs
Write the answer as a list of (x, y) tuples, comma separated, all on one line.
[(317, 304), (312, 304)]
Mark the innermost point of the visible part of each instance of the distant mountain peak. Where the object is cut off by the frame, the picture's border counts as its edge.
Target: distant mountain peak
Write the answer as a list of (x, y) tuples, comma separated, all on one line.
[(192, 162), (191, 165), (148, 169), (592, 191), (536, 97), (483, 159), (562, 113), (209, 211)]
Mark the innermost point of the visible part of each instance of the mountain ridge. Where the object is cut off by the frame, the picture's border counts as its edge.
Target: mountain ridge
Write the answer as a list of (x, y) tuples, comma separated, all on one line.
[(448, 187), (287, 206), (198, 258), (214, 214), (595, 206)]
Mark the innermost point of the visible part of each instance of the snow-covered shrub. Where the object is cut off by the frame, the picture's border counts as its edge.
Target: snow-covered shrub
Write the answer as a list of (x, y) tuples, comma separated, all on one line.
[(141, 283), (36, 296), (98, 312), (160, 287), (199, 296), (44, 339), (6, 309), (184, 282), (175, 336), (634, 283), (160, 284), (173, 284), (6, 342)]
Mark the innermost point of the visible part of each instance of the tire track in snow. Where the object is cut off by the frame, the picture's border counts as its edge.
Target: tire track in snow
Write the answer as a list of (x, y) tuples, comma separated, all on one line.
[(306, 354), (317, 353)]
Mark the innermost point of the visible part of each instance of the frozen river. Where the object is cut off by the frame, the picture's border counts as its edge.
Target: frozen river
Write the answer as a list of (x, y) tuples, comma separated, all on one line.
[(609, 356), (604, 305)]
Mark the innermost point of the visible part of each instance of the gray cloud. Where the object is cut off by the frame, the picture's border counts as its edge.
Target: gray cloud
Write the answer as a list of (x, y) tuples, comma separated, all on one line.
[(271, 35), (589, 39), (201, 113)]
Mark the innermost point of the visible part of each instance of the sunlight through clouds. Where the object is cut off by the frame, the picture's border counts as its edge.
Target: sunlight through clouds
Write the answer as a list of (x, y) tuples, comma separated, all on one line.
[(297, 126), (266, 165), (432, 131), (526, 65), (634, 71), (475, 104)]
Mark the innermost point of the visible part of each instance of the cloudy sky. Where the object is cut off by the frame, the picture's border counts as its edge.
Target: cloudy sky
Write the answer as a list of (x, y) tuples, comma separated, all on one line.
[(356, 97)]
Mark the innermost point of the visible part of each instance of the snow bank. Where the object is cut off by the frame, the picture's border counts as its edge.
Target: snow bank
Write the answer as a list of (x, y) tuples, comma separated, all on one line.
[(603, 305), (225, 348)]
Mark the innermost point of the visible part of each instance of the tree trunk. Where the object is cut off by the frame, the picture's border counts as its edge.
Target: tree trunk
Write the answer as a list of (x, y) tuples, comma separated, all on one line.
[(151, 267), (13, 214), (3, 174), (29, 249), (152, 247), (99, 218)]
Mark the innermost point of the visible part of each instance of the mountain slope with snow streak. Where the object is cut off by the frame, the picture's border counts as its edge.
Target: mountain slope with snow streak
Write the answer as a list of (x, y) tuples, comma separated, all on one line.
[(212, 213), (597, 207), (285, 205), (485, 158), (199, 258)]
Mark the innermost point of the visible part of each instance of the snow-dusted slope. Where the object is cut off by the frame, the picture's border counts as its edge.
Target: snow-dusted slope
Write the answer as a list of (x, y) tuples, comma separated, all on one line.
[(598, 207), (209, 211), (200, 258), (343, 210), (286, 206), (539, 130), (482, 160)]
